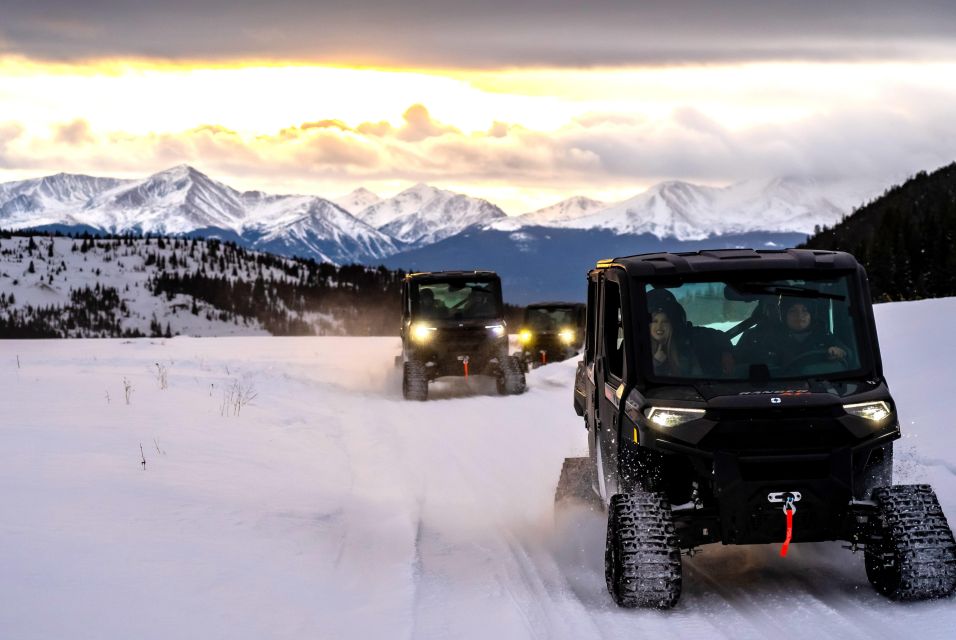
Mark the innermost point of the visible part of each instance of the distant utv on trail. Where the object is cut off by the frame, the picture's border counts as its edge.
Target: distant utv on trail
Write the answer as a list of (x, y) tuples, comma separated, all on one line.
[(453, 325), (550, 332), (738, 396)]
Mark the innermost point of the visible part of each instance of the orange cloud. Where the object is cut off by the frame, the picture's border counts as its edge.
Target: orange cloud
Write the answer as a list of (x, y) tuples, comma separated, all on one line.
[(74, 133), (419, 125)]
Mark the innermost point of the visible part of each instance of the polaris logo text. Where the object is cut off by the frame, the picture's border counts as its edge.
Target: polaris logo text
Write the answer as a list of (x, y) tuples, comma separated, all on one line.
[(782, 392)]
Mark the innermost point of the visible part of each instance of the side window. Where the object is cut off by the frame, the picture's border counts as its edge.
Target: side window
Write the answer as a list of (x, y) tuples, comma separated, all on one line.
[(613, 330), (591, 329)]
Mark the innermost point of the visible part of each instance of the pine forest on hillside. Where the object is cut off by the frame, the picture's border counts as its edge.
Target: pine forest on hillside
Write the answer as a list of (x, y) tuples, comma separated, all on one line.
[(124, 286), (906, 239)]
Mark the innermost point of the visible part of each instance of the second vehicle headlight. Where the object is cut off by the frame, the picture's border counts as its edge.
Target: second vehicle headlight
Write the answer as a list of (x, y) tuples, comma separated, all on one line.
[(422, 333), (524, 336), (566, 336), (670, 416)]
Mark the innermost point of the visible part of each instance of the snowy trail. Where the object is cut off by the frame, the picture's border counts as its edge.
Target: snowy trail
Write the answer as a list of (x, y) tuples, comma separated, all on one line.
[(332, 508)]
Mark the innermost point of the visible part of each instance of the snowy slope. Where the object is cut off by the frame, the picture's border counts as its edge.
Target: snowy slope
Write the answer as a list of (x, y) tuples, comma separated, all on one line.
[(58, 270), (423, 215), (330, 508)]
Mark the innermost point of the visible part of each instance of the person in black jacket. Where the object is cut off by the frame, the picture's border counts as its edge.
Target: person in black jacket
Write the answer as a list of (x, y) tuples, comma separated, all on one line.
[(800, 334), (671, 351)]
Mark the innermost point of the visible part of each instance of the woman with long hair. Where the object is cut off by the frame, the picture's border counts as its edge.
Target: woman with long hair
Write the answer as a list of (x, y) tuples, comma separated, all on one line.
[(671, 352)]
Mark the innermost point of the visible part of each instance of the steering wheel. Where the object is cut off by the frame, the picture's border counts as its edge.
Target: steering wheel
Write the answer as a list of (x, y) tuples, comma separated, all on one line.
[(810, 357)]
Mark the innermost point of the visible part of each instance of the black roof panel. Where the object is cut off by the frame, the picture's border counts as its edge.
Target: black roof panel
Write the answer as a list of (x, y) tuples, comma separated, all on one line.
[(729, 260)]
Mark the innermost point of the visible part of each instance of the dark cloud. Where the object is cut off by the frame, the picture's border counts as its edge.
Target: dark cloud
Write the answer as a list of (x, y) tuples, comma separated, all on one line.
[(482, 34)]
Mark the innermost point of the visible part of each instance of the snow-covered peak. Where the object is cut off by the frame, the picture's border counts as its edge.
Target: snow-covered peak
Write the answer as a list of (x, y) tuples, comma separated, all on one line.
[(175, 200), (56, 193), (564, 211), (357, 201), (688, 212), (407, 202), (423, 214)]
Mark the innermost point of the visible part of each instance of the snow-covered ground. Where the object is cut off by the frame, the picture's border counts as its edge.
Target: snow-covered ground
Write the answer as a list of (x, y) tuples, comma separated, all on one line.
[(331, 508)]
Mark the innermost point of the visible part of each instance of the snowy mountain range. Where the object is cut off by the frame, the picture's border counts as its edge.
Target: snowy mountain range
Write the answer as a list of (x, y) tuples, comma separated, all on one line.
[(685, 211), (362, 227)]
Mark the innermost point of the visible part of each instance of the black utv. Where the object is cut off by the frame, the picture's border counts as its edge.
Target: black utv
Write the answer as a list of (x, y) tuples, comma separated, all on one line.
[(453, 325), (738, 396), (550, 332)]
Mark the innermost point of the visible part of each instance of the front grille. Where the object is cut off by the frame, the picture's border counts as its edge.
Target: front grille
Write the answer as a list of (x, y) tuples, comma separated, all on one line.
[(793, 430), (770, 469)]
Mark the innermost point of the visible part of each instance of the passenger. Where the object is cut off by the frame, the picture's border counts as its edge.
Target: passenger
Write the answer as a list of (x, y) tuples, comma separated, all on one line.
[(671, 351)]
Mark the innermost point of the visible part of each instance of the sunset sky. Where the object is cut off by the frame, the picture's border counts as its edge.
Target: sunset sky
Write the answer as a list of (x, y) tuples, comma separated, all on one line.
[(523, 103)]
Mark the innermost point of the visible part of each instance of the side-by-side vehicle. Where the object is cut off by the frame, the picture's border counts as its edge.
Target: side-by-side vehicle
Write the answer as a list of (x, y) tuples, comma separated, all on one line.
[(738, 397)]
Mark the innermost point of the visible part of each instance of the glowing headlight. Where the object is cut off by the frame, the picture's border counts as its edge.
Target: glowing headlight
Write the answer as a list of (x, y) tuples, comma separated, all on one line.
[(497, 330), (524, 336), (669, 417), (422, 333), (566, 336), (875, 411)]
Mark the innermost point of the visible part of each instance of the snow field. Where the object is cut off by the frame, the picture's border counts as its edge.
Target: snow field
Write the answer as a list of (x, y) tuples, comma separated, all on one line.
[(331, 508)]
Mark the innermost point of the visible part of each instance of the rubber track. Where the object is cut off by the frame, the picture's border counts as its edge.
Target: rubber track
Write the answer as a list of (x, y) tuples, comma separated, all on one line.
[(911, 554), (513, 380), (415, 381), (648, 558), (574, 485)]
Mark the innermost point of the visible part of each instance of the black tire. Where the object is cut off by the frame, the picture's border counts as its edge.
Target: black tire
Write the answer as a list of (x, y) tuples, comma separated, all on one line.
[(910, 553), (574, 485), (415, 381), (642, 563), (511, 381)]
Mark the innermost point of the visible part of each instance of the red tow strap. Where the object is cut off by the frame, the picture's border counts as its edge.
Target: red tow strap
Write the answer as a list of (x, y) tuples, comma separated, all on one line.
[(466, 367), (789, 513)]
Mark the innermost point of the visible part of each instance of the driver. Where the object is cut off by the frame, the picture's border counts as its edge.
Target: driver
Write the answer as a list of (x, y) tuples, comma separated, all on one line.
[(429, 306), (799, 334)]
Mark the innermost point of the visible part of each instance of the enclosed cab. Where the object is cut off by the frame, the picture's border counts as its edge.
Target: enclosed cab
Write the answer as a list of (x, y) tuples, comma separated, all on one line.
[(453, 325), (738, 396), (550, 332)]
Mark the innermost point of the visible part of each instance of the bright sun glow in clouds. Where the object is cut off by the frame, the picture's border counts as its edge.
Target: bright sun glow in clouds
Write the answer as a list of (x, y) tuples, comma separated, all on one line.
[(526, 136)]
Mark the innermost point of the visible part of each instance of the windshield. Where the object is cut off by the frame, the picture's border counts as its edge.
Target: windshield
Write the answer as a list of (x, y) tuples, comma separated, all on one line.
[(752, 329), (458, 300), (549, 319)]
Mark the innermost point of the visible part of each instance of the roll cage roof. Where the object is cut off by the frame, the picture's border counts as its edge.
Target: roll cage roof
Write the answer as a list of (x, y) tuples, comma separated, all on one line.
[(729, 260)]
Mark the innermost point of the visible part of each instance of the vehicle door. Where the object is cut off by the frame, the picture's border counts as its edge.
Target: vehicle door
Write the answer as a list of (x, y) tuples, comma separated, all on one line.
[(609, 378)]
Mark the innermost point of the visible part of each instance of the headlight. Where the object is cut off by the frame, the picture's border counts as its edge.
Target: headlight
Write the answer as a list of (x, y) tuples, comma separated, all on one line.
[(875, 411), (496, 330), (422, 333), (524, 336), (670, 417), (566, 336)]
